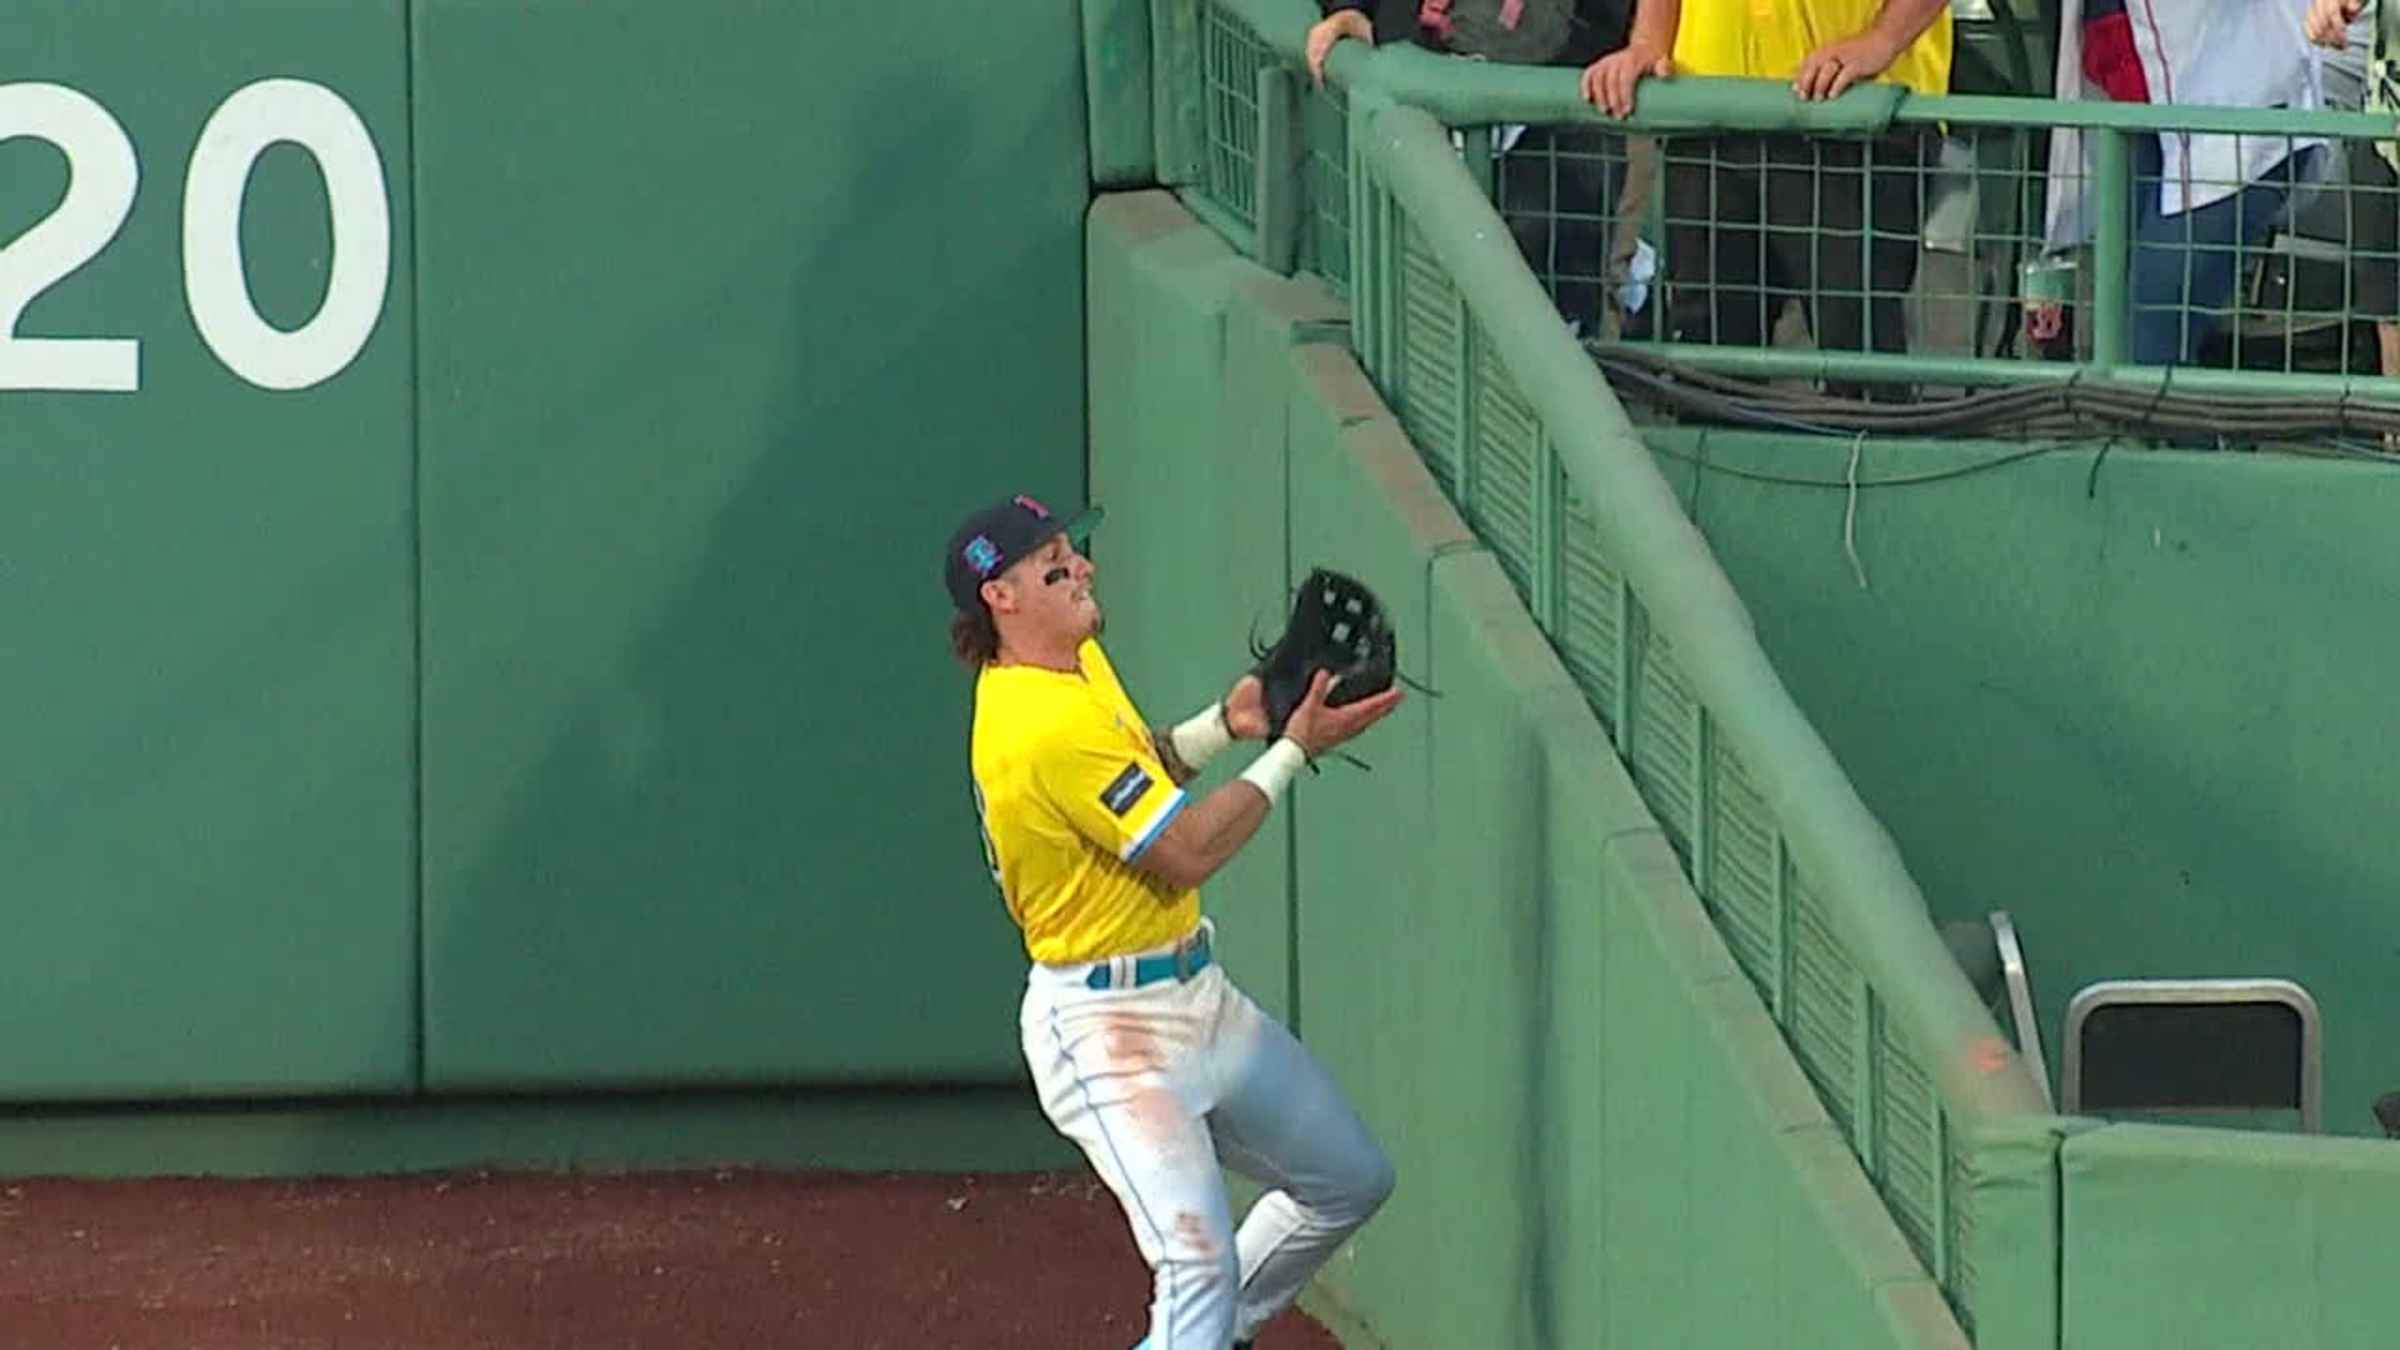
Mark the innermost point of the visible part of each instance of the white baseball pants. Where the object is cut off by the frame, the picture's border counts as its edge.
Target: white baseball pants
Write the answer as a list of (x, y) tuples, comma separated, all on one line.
[(1159, 1082)]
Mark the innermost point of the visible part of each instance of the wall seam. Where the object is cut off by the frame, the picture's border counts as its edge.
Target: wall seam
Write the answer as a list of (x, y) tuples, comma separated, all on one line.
[(416, 560)]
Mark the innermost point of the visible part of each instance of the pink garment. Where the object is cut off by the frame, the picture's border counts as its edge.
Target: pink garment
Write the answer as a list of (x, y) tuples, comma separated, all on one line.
[(1433, 16)]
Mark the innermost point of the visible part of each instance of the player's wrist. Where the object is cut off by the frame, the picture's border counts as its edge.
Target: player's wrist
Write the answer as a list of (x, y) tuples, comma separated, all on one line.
[(1198, 738), (1276, 767)]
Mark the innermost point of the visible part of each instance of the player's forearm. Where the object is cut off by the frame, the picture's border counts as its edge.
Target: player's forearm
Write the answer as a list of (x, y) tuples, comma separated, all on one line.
[(1209, 832)]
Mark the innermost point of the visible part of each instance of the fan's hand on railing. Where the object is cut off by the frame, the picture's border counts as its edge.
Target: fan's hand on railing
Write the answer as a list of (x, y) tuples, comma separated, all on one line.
[(1342, 23), (2328, 23), (1609, 82), (1830, 70)]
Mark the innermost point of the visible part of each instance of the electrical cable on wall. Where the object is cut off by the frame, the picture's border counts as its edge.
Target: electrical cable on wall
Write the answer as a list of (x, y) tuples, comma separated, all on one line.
[(2072, 411)]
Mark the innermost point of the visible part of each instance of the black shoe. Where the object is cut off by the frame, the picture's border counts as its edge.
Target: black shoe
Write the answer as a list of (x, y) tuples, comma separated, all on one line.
[(2387, 1113)]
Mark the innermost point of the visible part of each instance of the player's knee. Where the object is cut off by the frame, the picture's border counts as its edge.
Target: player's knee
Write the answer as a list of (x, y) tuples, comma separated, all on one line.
[(1200, 1256), (1380, 1181), (1222, 1273), (1368, 1187)]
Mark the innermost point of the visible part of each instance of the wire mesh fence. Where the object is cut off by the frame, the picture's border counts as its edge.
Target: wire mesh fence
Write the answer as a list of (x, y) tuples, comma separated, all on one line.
[(1964, 244), (1231, 58), (1325, 131)]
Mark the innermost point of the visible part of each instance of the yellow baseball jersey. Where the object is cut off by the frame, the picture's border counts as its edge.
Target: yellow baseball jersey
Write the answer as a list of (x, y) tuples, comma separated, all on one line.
[(1071, 791), (1767, 39)]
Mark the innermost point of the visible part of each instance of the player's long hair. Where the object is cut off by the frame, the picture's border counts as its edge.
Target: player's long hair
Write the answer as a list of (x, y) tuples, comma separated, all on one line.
[(974, 638)]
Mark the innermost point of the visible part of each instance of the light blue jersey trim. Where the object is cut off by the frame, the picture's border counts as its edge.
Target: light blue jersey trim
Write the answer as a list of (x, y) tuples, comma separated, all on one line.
[(1158, 825)]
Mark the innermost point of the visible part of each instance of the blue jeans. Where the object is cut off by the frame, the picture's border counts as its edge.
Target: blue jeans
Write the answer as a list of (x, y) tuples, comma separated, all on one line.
[(2189, 263)]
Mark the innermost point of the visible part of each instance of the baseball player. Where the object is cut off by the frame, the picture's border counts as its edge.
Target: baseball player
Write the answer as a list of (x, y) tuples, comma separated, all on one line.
[(1143, 1051)]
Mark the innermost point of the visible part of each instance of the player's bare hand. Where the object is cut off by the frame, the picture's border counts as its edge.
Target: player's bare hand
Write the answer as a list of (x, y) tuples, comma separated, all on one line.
[(1318, 728), (1830, 70), (1246, 709), (1610, 81), (2328, 22), (1348, 23)]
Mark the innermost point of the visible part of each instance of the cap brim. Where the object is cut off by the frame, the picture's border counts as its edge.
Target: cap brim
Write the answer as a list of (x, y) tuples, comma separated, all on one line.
[(1079, 527)]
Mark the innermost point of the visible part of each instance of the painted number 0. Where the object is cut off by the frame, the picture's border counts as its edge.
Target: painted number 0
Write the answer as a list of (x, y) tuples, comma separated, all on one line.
[(214, 279), (102, 178)]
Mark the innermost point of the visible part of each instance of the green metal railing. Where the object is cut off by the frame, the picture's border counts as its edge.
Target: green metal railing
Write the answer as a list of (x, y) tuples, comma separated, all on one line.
[(1289, 207), (1325, 135), (1803, 884), (1951, 190), (1514, 421)]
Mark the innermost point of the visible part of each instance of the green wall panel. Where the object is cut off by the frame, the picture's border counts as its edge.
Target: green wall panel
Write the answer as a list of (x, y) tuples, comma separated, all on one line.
[(1156, 327), (1116, 81), (1210, 486), (206, 809), (2180, 1237), (721, 336), (1241, 494), (1366, 993), (1586, 803), (1179, 136), (2142, 709), (2012, 1195), (1469, 1015), (1599, 1135), (1731, 1211)]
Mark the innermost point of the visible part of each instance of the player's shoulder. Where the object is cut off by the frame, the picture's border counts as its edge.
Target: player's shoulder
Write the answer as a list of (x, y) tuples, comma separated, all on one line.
[(1025, 713), (1027, 694)]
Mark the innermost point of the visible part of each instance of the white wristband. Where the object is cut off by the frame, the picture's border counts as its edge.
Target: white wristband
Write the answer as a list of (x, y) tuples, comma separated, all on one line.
[(1274, 769), (1198, 738)]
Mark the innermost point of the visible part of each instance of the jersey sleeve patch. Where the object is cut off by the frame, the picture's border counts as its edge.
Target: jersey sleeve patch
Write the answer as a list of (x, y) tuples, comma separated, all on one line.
[(1126, 790)]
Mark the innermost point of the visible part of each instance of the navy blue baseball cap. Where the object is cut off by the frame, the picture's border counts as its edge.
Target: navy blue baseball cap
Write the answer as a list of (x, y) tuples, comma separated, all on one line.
[(991, 539)]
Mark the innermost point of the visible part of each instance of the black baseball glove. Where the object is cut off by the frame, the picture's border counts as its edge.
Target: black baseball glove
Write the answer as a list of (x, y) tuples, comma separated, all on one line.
[(1336, 625)]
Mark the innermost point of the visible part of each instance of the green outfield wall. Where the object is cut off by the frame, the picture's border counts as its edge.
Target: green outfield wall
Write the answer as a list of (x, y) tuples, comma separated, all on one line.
[(207, 779), (2181, 1237), (2141, 700), (470, 479)]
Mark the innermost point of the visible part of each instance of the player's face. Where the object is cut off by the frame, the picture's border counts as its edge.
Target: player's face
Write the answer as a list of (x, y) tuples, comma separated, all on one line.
[(1054, 589)]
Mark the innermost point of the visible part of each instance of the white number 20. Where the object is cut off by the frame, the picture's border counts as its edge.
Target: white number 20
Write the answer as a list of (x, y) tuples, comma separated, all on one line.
[(102, 179)]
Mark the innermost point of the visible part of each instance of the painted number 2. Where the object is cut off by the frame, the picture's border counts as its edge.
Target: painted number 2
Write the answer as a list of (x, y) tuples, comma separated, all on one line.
[(100, 184), (103, 176)]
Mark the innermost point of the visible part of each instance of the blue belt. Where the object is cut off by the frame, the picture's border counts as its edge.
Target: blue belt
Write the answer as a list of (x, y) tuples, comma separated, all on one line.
[(1181, 964)]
